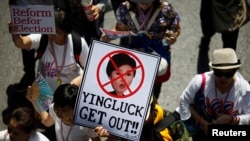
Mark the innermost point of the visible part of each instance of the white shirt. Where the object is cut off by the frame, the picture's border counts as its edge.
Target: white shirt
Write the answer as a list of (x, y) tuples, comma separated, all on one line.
[(73, 133), (50, 64), (35, 136), (237, 101)]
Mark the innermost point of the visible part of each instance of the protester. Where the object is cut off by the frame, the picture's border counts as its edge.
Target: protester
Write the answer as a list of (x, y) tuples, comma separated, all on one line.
[(61, 114), (157, 26), (89, 28), (18, 90), (78, 22), (229, 38), (224, 99), (28, 57), (57, 65), (22, 126)]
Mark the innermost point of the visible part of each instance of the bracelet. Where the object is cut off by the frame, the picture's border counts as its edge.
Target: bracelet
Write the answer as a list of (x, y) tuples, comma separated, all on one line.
[(198, 121)]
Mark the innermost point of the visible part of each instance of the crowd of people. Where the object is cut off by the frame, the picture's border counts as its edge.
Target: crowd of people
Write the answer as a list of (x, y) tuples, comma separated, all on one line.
[(223, 92)]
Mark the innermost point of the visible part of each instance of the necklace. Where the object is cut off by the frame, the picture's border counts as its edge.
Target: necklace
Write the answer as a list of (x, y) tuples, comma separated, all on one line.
[(67, 137), (59, 68)]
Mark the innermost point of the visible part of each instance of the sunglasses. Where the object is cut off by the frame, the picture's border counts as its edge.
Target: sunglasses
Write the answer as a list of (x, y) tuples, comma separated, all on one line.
[(227, 74)]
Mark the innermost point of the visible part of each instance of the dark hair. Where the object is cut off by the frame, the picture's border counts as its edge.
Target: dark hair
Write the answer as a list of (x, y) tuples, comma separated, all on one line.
[(119, 60), (65, 95), (62, 19), (26, 118)]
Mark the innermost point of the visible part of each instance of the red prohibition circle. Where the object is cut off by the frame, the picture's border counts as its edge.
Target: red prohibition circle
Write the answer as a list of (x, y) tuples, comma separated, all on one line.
[(138, 66)]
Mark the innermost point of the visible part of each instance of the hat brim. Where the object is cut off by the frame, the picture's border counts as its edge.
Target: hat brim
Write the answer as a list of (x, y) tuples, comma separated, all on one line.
[(224, 67)]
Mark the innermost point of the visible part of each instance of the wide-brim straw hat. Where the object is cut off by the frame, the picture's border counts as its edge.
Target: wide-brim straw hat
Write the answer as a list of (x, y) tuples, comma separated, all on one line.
[(141, 1), (224, 58)]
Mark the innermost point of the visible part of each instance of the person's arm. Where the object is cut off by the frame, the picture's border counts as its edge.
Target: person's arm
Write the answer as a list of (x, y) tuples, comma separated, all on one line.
[(77, 81), (92, 134), (199, 119), (96, 10), (121, 27), (171, 36), (187, 97), (225, 119), (173, 33), (23, 42), (102, 4), (101, 131), (118, 27), (243, 118), (32, 95)]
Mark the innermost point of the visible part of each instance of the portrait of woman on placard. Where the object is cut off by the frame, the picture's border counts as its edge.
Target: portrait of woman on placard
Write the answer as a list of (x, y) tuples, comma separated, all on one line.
[(121, 72)]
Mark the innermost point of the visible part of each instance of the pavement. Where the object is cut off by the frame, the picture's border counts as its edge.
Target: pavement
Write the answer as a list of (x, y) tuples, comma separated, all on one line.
[(184, 53)]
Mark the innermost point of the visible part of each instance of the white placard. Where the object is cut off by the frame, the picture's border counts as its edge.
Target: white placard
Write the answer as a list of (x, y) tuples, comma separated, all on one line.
[(33, 19), (122, 116)]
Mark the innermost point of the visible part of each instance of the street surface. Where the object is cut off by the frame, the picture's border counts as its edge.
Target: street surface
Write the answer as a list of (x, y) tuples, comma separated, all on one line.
[(184, 53)]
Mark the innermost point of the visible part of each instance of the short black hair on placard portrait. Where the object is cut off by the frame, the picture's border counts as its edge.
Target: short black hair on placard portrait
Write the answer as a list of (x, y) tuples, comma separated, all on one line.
[(119, 60)]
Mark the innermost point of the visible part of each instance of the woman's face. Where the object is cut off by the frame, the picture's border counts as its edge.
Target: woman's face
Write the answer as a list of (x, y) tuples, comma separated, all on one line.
[(224, 78), (121, 80), (16, 133), (65, 114), (145, 6)]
